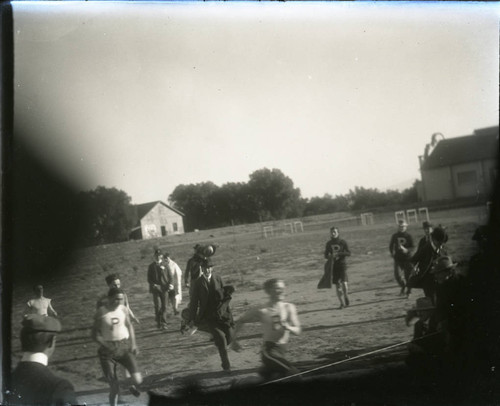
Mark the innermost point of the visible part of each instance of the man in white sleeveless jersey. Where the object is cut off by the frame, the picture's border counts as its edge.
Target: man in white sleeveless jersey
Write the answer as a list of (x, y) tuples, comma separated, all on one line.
[(115, 334), (278, 319)]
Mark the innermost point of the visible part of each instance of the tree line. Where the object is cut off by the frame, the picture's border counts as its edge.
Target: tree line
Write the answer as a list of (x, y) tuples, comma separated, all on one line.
[(108, 215)]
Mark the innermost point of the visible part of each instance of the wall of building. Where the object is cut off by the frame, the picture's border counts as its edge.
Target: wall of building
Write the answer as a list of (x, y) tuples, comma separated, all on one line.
[(161, 221), (467, 179), (490, 174), (438, 184), (459, 181), (474, 179)]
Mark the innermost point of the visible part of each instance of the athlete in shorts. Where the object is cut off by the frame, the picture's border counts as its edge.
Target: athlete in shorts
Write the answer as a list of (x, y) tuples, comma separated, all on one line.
[(278, 319), (336, 250), (114, 332)]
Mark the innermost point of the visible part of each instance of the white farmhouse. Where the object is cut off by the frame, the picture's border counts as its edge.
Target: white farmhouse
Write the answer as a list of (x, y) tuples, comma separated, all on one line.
[(157, 219)]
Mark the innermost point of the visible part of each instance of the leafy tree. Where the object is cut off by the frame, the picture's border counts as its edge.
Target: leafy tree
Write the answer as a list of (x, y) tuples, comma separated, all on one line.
[(233, 205), (107, 215), (273, 195), (325, 204), (196, 202)]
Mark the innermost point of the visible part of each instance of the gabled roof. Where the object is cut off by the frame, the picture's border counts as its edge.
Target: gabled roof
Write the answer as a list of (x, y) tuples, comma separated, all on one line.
[(145, 208), (483, 144)]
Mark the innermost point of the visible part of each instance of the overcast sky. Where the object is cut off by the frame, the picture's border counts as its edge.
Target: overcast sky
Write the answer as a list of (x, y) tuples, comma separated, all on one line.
[(144, 97)]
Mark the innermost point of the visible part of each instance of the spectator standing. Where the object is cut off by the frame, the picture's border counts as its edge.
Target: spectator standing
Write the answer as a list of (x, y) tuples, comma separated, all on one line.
[(193, 268), (424, 260), (426, 349), (427, 227), (452, 309), (400, 247), (160, 283), (32, 382), (175, 294)]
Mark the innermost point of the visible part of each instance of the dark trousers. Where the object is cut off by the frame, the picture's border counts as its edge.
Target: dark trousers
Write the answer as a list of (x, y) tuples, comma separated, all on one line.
[(160, 304), (273, 358), (402, 271), (222, 334)]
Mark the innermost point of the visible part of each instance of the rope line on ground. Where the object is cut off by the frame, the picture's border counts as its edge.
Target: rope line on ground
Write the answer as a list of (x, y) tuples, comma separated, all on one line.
[(345, 360)]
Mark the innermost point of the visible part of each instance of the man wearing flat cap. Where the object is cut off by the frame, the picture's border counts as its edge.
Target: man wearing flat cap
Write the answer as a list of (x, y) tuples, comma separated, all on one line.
[(32, 382), (208, 294)]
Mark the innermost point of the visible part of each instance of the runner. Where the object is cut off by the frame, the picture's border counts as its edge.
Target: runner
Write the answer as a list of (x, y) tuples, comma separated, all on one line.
[(335, 270), (40, 304), (278, 319), (115, 334), (400, 248), (113, 281)]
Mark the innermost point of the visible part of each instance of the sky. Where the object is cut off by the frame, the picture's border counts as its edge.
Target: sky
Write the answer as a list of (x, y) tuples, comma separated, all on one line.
[(147, 96)]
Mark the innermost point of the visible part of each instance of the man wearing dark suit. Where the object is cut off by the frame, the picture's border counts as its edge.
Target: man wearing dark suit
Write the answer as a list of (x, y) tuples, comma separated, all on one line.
[(32, 382), (208, 294), (160, 283)]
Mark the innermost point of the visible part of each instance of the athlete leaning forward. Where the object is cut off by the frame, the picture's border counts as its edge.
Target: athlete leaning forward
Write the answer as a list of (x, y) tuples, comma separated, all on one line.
[(278, 319)]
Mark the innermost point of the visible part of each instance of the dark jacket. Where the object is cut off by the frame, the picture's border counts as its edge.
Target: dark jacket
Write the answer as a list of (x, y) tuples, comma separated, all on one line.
[(193, 270), (338, 247), (159, 275), (34, 384), (206, 299), (404, 239)]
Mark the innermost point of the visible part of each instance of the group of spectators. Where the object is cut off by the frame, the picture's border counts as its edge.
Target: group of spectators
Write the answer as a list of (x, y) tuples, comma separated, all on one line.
[(443, 338)]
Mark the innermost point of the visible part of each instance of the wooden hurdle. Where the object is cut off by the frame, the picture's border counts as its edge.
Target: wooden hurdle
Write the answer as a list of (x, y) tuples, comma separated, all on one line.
[(399, 215), (411, 214)]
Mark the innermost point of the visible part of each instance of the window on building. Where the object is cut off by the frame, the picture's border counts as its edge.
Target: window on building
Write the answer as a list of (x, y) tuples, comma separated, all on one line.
[(174, 226), (464, 178)]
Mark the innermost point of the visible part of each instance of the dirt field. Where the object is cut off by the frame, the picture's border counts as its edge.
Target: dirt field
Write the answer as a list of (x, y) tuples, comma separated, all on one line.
[(171, 361)]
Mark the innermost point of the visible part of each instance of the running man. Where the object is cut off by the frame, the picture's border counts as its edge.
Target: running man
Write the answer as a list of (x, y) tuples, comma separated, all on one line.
[(278, 319), (40, 304), (113, 281), (115, 334), (400, 247), (336, 250)]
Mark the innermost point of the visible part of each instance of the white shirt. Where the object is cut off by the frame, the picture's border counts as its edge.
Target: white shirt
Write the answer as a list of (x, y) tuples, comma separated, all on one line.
[(39, 357), (176, 276), (112, 324), (272, 319)]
